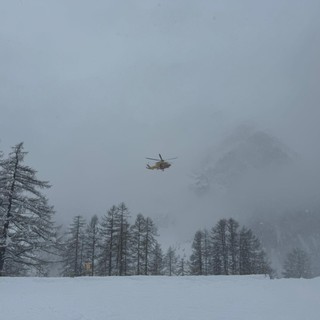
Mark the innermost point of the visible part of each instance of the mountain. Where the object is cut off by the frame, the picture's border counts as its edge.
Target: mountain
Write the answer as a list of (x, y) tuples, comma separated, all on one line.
[(261, 182), (282, 233), (244, 152)]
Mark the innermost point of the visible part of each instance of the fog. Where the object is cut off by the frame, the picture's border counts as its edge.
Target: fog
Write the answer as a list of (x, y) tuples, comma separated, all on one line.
[(92, 88)]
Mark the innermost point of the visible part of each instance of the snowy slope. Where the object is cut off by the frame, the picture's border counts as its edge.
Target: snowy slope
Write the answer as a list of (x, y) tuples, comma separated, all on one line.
[(142, 298)]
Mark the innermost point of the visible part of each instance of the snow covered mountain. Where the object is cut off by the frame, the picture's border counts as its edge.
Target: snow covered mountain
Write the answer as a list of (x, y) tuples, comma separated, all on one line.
[(269, 188), (280, 234), (246, 151)]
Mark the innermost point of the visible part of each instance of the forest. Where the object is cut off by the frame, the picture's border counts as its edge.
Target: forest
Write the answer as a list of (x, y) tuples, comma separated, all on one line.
[(32, 244)]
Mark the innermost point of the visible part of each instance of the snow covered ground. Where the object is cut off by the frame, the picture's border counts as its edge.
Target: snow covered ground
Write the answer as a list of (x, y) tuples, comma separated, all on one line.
[(165, 298)]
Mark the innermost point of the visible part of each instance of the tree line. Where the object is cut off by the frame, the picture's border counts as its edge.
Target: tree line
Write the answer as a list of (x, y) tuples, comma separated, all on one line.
[(31, 242), (228, 250), (110, 246)]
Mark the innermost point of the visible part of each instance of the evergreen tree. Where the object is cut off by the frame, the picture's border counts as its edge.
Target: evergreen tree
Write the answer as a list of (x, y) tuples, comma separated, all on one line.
[(26, 226), (252, 258), (137, 231), (182, 267), (122, 239), (108, 249), (233, 246), (196, 258), (206, 253), (157, 260), (149, 243), (297, 264), (171, 262), (91, 243), (73, 264), (220, 248)]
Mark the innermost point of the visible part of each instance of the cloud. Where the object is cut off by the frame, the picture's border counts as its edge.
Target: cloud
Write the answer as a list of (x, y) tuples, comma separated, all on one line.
[(93, 89)]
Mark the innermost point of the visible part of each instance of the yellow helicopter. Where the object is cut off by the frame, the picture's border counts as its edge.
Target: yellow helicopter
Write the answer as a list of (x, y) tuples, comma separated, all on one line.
[(160, 164)]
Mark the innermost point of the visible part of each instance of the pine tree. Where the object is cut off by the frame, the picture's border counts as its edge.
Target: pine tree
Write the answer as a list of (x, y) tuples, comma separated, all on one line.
[(137, 231), (171, 262), (107, 244), (297, 264), (26, 226), (196, 258), (233, 246), (206, 253), (73, 264), (220, 248), (156, 261), (122, 227), (252, 258), (149, 243), (91, 243), (182, 267)]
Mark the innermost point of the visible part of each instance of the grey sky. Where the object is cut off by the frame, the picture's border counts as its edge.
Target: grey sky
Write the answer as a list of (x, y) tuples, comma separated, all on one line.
[(93, 88)]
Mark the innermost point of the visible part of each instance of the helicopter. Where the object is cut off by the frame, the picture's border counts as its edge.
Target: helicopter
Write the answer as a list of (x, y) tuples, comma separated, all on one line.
[(160, 164)]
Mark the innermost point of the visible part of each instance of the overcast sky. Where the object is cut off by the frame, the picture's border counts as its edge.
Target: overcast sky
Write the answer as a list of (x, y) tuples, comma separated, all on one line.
[(94, 87)]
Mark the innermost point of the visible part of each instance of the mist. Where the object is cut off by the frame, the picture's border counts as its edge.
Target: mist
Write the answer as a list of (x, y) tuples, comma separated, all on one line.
[(94, 89)]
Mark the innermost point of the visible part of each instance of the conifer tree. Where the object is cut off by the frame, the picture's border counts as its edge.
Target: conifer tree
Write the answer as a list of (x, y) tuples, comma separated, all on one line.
[(107, 243), (297, 264), (233, 246), (137, 231), (182, 267), (122, 227), (91, 244), (196, 258), (220, 248), (157, 260), (73, 264), (149, 243), (252, 259), (26, 225), (171, 262), (206, 253)]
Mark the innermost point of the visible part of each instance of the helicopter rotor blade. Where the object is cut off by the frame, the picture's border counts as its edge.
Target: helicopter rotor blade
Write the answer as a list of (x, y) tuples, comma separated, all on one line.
[(153, 159), (171, 158), (160, 157)]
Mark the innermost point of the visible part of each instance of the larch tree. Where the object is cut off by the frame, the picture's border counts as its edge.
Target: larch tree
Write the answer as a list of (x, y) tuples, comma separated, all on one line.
[(107, 243), (220, 247), (73, 262), (26, 219), (148, 243), (182, 266), (252, 258), (297, 264), (157, 260), (206, 253), (137, 231), (91, 244), (196, 258), (233, 246), (171, 262), (123, 239)]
